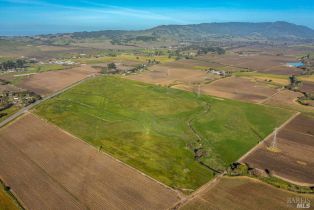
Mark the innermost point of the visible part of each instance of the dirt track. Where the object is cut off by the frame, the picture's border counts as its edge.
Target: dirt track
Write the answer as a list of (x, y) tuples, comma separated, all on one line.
[(52, 81), (49, 169)]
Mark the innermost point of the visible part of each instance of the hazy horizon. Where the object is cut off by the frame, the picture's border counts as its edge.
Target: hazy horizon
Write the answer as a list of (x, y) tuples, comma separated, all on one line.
[(61, 32), (33, 17)]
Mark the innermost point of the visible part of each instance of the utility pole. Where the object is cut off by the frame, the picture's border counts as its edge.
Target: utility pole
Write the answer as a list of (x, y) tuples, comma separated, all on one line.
[(274, 142)]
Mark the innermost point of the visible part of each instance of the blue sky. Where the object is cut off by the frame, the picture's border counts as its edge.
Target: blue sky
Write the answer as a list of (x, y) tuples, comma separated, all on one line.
[(29, 17)]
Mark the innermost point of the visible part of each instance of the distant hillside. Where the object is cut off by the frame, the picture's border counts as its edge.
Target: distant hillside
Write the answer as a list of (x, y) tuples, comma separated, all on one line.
[(267, 30), (273, 30)]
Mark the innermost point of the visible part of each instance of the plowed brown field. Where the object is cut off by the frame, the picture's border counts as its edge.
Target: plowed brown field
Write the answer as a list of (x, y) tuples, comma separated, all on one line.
[(288, 99), (307, 87), (167, 74), (52, 81), (294, 159), (258, 62), (244, 193), (47, 168), (239, 88)]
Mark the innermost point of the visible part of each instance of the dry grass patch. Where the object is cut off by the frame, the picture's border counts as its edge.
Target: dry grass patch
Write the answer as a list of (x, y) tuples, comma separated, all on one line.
[(240, 89)]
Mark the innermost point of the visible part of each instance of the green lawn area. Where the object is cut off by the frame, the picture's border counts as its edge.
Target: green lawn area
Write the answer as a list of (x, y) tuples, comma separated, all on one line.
[(147, 127)]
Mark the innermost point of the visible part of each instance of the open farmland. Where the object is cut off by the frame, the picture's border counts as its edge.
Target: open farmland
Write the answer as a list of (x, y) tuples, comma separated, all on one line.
[(163, 75), (288, 99), (243, 193), (279, 80), (243, 89), (46, 167), (123, 58), (307, 87), (6, 201), (15, 48), (182, 74), (293, 157), (195, 63), (52, 81), (240, 88), (161, 131), (272, 64)]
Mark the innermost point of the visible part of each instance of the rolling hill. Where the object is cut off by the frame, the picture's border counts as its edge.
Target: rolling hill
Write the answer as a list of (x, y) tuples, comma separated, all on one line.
[(267, 30)]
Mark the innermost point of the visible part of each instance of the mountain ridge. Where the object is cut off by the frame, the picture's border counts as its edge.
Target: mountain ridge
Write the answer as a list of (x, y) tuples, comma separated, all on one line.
[(219, 31)]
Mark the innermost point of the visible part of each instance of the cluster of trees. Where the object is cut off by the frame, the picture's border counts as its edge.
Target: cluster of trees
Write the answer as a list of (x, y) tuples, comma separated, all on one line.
[(13, 64), (294, 83), (152, 62), (23, 98), (205, 50), (184, 52), (308, 68), (110, 68)]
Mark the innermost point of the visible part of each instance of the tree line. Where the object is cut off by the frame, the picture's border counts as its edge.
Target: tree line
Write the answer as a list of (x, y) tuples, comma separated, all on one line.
[(13, 64)]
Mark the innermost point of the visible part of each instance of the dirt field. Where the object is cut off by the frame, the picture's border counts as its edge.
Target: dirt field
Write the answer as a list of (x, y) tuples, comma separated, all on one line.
[(170, 74), (49, 169), (294, 159), (287, 99), (259, 62), (243, 89), (48, 82), (307, 87), (194, 63), (243, 193)]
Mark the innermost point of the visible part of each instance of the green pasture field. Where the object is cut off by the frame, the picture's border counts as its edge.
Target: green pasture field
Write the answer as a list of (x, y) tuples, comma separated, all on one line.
[(160, 130)]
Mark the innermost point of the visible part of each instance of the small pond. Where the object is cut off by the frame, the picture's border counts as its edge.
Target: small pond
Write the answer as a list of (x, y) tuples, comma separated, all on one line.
[(295, 64)]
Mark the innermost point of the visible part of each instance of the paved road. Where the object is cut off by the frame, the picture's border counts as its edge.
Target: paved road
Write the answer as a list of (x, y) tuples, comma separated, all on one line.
[(27, 108)]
